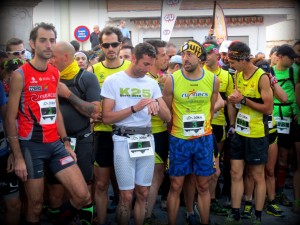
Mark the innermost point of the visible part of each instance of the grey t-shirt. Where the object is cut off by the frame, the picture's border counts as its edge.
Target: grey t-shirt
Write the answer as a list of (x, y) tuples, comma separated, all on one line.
[(75, 122)]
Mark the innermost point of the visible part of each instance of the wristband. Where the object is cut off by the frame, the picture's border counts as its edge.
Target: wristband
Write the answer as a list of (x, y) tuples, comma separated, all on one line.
[(132, 109), (66, 139)]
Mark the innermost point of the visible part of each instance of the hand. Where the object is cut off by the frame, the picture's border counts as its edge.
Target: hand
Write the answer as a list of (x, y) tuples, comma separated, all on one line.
[(21, 169), (273, 80), (235, 97), (71, 152), (63, 91), (211, 32), (10, 163), (230, 132), (97, 117), (153, 107), (142, 104)]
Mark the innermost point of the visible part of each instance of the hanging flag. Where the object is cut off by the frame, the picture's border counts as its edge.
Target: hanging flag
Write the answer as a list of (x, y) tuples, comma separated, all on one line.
[(169, 11), (219, 23)]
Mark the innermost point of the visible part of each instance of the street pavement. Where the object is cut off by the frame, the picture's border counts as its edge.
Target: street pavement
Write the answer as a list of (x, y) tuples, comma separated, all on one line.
[(161, 215)]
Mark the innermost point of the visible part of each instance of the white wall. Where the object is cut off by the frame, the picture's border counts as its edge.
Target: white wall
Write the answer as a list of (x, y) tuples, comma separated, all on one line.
[(67, 15)]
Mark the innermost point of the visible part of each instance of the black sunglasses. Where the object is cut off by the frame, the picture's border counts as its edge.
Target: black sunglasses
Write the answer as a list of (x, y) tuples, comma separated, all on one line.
[(113, 44), (17, 52)]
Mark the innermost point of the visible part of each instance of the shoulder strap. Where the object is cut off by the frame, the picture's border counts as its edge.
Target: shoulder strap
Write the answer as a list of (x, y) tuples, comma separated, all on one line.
[(291, 74), (291, 77), (272, 71), (77, 78)]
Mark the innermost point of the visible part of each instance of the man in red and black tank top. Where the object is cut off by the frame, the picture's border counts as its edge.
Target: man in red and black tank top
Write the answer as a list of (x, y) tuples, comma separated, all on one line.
[(36, 140)]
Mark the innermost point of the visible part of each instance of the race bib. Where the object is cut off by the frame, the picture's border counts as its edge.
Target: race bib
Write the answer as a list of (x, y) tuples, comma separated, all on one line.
[(242, 123), (48, 111), (193, 124), (270, 121), (73, 143), (139, 145), (283, 125)]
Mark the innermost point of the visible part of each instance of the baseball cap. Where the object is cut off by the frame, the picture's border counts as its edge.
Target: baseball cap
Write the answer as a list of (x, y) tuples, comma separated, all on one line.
[(224, 46), (287, 50), (176, 59), (264, 64)]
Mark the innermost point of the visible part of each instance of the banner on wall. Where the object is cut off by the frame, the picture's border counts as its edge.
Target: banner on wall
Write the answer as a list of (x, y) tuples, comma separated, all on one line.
[(169, 12)]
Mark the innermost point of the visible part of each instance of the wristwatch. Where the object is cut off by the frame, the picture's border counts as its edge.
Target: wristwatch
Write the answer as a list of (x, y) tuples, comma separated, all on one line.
[(66, 139), (243, 102)]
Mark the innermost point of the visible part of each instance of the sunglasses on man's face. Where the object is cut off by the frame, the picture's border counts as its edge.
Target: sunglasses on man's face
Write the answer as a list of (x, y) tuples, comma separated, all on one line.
[(16, 53), (113, 44)]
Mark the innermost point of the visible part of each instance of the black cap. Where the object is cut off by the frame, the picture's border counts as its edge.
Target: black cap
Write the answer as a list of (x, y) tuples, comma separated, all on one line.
[(288, 51), (263, 64)]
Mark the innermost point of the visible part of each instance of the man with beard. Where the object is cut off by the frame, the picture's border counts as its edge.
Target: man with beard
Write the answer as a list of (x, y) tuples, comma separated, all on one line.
[(110, 43), (191, 94)]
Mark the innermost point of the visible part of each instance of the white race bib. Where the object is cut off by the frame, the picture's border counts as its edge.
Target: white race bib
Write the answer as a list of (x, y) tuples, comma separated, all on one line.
[(73, 143), (139, 145), (48, 111), (270, 121), (242, 123), (193, 124), (283, 125)]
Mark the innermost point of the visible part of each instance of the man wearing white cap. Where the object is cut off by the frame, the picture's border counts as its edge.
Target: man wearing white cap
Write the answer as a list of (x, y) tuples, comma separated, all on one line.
[(223, 53), (175, 64)]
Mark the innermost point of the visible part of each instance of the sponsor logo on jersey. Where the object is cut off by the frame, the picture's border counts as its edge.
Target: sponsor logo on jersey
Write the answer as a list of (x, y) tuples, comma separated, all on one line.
[(34, 88)]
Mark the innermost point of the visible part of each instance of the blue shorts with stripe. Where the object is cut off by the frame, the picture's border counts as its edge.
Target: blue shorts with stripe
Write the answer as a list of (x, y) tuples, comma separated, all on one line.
[(192, 156)]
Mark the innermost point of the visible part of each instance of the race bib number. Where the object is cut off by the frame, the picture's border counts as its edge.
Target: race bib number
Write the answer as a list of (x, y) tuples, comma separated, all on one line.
[(48, 111), (193, 124), (283, 125), (139, 145), (242, 123), (73, 143)]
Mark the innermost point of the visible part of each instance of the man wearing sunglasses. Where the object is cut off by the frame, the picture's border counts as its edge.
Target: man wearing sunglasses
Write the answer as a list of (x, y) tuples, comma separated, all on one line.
[(110, 43), (15, 49)]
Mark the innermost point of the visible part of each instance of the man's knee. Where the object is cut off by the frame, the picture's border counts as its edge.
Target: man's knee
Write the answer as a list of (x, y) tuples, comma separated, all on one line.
[(81, 197), (13, 206), (126, 197)]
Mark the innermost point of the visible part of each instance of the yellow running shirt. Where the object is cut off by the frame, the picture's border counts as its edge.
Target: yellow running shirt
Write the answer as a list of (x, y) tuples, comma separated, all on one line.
[(249, 122), (101, 73), (158, 125), (226, 88), (191, 105)]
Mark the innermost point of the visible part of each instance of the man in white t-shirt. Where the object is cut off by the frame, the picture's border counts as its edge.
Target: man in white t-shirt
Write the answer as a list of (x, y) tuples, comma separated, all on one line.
[(130, 98)]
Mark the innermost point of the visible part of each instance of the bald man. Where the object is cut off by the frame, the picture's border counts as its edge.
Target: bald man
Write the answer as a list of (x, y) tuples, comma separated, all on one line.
[(94, 38), (80, 103)]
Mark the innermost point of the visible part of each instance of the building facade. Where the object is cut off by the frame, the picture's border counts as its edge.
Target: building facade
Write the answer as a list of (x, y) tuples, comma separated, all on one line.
[(261, 24)]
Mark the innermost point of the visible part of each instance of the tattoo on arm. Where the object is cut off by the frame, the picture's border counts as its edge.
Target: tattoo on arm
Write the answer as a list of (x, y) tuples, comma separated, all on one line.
[(85, 108)]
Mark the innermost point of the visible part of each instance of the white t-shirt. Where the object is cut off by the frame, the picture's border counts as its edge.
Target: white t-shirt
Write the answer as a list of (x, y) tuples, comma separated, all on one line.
[(128, 91)]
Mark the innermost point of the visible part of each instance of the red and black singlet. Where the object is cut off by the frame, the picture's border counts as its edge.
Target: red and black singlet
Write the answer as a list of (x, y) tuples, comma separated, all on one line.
[(37, 109)]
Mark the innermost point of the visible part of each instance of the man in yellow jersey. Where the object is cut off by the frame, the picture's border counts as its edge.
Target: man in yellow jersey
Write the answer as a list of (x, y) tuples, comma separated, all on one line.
[(191, 94), (110, 43), (250, 142), (219, 120), (159, 131), (270, 203)]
